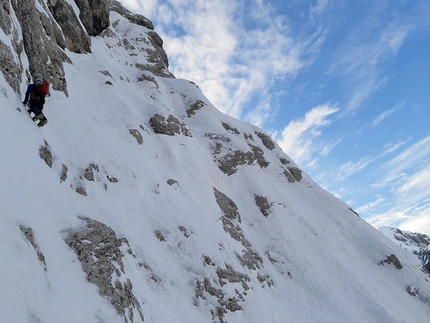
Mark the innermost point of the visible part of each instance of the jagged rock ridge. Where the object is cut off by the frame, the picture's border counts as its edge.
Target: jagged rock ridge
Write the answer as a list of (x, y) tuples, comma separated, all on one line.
[(417, 243)]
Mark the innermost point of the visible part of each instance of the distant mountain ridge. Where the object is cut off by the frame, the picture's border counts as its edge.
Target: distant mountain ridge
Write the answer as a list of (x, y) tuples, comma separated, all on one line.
[(417, 243)]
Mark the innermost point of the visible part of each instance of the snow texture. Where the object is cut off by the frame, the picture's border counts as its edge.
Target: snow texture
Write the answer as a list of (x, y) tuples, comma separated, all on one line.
[(105, 218)]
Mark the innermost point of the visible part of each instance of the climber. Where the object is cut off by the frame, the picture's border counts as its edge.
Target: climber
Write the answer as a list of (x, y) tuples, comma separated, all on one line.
[(35, 96)]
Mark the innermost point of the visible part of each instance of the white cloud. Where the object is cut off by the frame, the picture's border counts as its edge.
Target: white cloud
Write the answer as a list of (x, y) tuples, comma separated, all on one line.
[(297, 138), (233, 50), (415, 218), (371, 205), (146, 6), (361, 62), (416, 187), (328, 147), (408, 175), (351, 168), (381, 117), (412, 158), (320, 7), (418, 223)]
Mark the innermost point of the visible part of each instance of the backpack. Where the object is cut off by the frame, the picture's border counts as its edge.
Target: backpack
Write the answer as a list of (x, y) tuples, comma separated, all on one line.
[(44, 89), (41, 84)]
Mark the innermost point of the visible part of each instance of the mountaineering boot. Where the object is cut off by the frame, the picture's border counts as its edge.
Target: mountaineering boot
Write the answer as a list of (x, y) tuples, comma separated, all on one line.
[(38, 117), (42, 122)]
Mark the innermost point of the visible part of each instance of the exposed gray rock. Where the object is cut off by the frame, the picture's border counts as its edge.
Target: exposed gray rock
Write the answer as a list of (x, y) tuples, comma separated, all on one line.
[(112, 179), (284, 161), (159, 62), (195, 107), (52, 29), (229, 209), (227, 126), (106, 73), (412, 291), (76, 38), (392, 260), (265, 279), (63, 175), (169, 126), (229, 163), (99, 251), (12, 71), (250, 259), (224, 304), (160, 235), (89, 174), (266, 140), (232, 276), (172, 182), (296, 172), (263, 203), (259, 156), (133, 18), (94, 15), (28, 232), (208, 261), (227, 206), (81, 190), (289, 177), (45, 55), (145, 77), (156, 56), (5, 22), (10, 64), (136, 134), (184, 230), (45, 154), (248, 136)]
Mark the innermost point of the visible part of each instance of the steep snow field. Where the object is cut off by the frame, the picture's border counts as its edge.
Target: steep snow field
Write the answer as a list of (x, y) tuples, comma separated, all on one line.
[(310, 260)]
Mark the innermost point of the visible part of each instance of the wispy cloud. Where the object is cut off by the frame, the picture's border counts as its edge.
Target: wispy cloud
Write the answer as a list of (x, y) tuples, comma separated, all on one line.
[(233, 50), (407, 216), (297, 139), (371, 205), (381, 117), (350, 168), (419, 222), (407, 176), (412, 158), (360, 61)]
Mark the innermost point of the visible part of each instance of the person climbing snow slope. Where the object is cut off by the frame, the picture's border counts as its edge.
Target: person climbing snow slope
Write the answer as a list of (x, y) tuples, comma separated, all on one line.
[(35, 97)]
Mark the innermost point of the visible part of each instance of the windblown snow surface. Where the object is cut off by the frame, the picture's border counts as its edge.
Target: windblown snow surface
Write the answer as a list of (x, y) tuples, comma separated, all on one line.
[(312, 258)]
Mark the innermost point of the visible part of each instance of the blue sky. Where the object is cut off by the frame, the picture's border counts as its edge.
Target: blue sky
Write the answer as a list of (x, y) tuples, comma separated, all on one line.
[(343, 87)]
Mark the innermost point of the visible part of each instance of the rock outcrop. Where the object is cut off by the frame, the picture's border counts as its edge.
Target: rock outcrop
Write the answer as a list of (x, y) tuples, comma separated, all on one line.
[(94, 15), (99, 251), (48, 28), (76, 39)]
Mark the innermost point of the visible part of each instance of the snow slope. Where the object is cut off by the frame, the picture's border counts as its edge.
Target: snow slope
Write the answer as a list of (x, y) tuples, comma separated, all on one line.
[(197, 245)]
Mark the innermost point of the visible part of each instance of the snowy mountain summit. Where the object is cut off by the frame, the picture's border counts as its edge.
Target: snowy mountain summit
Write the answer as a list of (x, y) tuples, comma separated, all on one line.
[(139, 201)]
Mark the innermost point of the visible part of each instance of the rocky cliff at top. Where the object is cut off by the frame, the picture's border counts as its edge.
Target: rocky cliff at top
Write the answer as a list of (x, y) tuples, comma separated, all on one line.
[(139, 201), (43, 31)]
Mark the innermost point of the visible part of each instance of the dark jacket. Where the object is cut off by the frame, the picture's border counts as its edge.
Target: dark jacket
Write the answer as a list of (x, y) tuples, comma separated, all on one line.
[(33, 94)]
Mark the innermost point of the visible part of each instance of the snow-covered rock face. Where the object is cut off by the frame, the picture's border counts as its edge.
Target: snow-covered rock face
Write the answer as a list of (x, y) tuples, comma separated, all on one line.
[(139, 201), (41, 30)]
